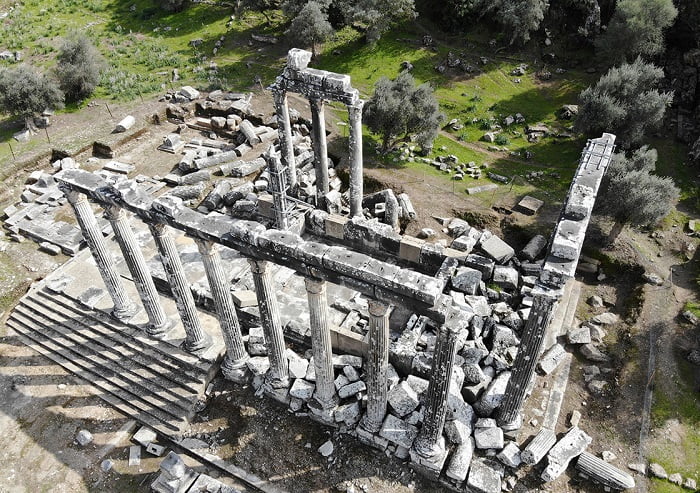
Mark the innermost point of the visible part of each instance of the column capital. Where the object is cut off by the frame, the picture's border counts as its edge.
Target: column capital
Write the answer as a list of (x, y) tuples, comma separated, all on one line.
[(316, 103), (279, 94), (258, 266), (205, 247), (378, 308), (159, 229), (315, 285), (71, 194), (114, 212), (356, 107)]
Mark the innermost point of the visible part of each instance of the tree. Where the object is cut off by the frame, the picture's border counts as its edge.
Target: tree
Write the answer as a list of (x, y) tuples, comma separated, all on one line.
[(378, 16), (632, 195), (636, 28), (310, 26), (25, 92), (399, 108), (624, 101), (521, 17), (261, 6), (78, 69)]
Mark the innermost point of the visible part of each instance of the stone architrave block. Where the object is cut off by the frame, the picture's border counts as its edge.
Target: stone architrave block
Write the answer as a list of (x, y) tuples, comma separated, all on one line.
[(568, 240), (397, 431), (566, 449)]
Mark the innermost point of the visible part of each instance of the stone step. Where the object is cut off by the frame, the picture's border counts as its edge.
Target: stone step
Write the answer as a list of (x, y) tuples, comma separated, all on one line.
[(168, 355), (122, 399), (109, 355), (158, 356), (137, 393)]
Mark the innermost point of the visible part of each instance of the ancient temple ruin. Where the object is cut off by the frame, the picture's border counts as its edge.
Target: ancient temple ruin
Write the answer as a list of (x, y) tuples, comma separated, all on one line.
[(443, 365)]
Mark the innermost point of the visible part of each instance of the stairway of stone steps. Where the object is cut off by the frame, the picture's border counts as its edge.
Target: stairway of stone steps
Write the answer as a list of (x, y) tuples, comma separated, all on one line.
[(152, 381)]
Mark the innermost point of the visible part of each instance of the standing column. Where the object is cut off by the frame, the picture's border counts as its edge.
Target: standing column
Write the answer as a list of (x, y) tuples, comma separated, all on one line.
[(378, 362), (284, 128), (356, 163), (196, 339), (278, 376), (234, 365), (429, 443), (321, 343), (525, 362), (123, 307), (320, 149), (158, 323)]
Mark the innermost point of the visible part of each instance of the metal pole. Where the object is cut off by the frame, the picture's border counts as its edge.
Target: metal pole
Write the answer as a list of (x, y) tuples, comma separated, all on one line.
[(14, 158), (47, 134), (110, 111)]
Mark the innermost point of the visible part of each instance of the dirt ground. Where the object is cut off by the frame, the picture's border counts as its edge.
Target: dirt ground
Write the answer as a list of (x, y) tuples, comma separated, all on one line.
[(43, 408)]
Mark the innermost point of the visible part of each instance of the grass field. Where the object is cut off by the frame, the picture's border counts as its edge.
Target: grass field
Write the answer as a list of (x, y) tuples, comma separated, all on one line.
[(142, 44)]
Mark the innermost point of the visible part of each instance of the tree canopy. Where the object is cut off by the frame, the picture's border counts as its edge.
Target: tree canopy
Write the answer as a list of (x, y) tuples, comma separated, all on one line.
[(399, 108), (636, 28), (78, 68), (25, 92), (632, 195), (625, 101), (310, 26), (521, 17)]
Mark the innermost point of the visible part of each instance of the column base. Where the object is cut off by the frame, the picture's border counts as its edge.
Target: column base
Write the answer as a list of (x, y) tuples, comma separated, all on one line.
[(125, 313), (197, 347), (427, 449), (235, 371), (276, 382), (160, 332), (430, 466), (326, 405), (370, 425)]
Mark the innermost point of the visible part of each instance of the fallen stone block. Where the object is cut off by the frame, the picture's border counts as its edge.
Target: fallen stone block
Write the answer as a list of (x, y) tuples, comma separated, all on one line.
[(301, 389), (461, 460), (538, 447), (484, 476), (510, 455), (488, 438), (497, 249), (125, 124), (566, 449), (403, 399), (398, 431), (551, 359)]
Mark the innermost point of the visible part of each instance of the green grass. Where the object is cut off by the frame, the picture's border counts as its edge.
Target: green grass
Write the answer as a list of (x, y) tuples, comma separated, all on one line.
[(693, 307), (678, 401)]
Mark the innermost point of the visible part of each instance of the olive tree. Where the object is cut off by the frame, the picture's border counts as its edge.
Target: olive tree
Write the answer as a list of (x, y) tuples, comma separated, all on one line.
[(625, 101), (522, 17), (631, 194), (398, 108), (310, 27), (25, 92), (637, 28), (78, 68)]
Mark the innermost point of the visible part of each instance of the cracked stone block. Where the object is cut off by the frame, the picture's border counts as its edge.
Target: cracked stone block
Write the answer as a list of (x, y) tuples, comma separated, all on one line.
[(478, 304), (349, 413), (352, 389), (461, 460), (301, 389), (340, 381), (551, 359), (403, 399), (579, 335), (485, 423), (592, 353), (657, 471), (493, 395), (483, 264), (559, 456), (342, 360), (488, 438), (144, 436), (297, 364), (484, 476), (467, 280), (258, 365), (473, 374), (506, 277), (457, 431), (510, 455), (606, 318), (398, 431)]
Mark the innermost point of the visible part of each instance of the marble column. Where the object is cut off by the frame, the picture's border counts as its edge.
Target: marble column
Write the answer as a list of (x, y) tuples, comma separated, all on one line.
[(526, 360), (356, 162), (429, 443), (284, 128), (320, 149), (278, 376), (158, 323), (124, 308), (321, 343), (196, 340), (377, 364), (234, 365)]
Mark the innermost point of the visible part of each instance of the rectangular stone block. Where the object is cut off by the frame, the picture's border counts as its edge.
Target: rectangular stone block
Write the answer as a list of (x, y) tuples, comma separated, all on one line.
[(397, 431), (410, 249), (244, 298), (335, 226), (497, 249)]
